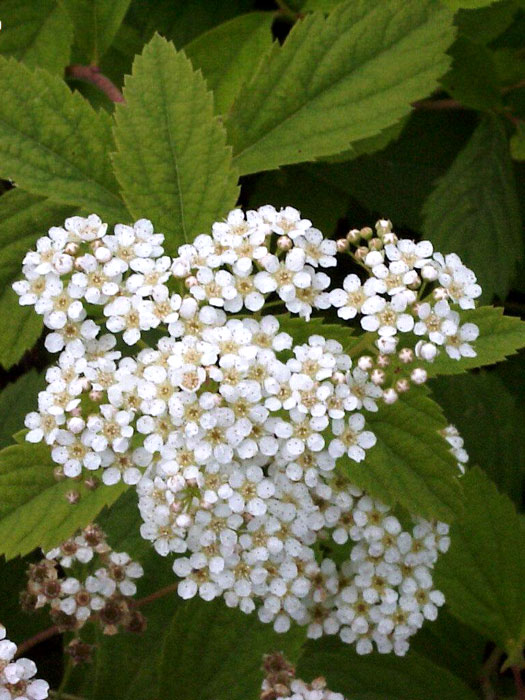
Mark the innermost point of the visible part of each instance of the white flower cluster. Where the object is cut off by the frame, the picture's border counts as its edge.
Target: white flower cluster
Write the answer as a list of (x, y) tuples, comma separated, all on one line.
[(17, 675), (229, 428), (104, 594), (280, 683)]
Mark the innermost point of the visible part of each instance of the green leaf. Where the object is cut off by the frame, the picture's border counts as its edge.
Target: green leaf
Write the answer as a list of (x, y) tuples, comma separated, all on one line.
[(467, 4), (451, 644), (96, 23), (16, 400), (182, 21), (172, 160), (34, 511), (339, 79), (215, 652), (379, 676), (301, 330), (229, 54), (473, 78), (410, 463), (517, 143), (483, 573), (394, 182), (38, 33), (486, 23), (499, 337), (52, 143), (24, 218), (496, 445), (474, 211)]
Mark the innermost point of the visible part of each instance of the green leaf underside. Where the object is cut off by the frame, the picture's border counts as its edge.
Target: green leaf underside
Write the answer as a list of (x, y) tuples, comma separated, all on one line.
[(411, 463), (229, 54), (96, 23), (475, 404), (172, 160), (330, 84), (483, 573), (16, 400), (499, 337), (379, 676), (24, 218), (52, 143), (474, 210), (215, 652), (38, 33), (33, 509)]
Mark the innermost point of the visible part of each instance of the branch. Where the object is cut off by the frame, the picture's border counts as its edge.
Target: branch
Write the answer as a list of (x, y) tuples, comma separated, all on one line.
[(92, 74), (518, 680), (53, 631), (447, 103), (39, 637)]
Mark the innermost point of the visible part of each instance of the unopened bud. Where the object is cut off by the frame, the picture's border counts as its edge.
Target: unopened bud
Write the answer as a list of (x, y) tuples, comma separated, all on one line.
[(383, 360), (190, 282), (390, 396), (419, 375), (353, 236), (366, 233), (406, 355), (342, 245), (377, 376), (72, 497), (375, 244), (365, 363), (361, 252), (402, 385), (284, 243)]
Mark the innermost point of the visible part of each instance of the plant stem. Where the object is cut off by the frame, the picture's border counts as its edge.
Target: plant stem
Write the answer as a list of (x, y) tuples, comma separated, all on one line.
[(36, 639), (157, 594), (518, 680), (53, 631), (65, 678), (92, 74), (489, 667)]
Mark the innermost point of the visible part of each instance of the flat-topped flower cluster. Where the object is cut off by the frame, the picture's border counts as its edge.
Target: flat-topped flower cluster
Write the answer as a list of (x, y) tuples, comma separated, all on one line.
[(232, 431)]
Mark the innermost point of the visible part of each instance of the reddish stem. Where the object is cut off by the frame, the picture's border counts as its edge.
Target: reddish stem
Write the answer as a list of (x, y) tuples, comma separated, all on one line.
[(447, 103), (518, 680), (39, 637), (53, 631), (92, 74)]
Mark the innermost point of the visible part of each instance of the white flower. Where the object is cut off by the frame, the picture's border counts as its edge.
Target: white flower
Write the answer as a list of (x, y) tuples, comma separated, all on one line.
[(350, 438)]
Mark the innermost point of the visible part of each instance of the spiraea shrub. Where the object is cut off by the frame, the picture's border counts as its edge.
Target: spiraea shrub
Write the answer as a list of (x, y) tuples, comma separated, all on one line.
[(259, 264)]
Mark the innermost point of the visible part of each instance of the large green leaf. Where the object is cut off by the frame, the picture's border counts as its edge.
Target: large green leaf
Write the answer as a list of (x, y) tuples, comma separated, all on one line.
[(52, 143), (24, 218), (34, 511), (486, 23), (96, 23), (499, 337), (339, 79), (474, 209), (229, 54), (467, 4), (473, 78), (380, 676), (483, 573), (16, 400), (215, 652), (394, 183), (410, 463), (476, 404), (451, 644), (172, 160), (38, 33)]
